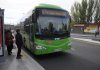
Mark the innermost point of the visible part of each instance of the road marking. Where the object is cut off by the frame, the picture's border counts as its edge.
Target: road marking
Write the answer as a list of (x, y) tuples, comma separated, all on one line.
[(81, 35)]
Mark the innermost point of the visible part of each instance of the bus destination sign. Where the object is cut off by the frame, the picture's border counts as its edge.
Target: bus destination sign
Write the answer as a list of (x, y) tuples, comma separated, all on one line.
[(54, 12)]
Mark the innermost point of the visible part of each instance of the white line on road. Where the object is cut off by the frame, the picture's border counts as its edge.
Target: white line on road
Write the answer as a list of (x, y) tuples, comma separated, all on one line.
[(81, 35), (88, 40)]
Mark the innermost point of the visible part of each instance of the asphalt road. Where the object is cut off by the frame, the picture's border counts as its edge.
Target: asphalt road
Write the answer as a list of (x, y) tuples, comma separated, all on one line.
[(82, 56)]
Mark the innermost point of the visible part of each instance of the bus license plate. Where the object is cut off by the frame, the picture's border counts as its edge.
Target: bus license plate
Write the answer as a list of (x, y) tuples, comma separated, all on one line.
[(57, 50)]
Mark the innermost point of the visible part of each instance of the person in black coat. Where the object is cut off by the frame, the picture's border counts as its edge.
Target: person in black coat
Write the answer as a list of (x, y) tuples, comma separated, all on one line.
[(96, 33), (19, 43)]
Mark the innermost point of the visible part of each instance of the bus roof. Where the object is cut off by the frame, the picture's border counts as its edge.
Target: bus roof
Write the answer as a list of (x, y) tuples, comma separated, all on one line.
[(48, 6)]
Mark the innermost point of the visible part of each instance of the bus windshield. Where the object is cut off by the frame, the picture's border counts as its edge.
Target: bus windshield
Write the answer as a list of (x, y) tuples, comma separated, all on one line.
[(52, 27)]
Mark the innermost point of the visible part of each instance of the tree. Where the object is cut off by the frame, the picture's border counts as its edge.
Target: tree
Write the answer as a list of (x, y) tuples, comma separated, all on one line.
[(82, 11), (79, 12), (86, 12), (75, 12), (93, 11), (97, 12)]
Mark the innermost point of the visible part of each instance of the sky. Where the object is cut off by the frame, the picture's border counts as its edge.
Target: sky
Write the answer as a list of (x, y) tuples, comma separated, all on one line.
[(15, 10)]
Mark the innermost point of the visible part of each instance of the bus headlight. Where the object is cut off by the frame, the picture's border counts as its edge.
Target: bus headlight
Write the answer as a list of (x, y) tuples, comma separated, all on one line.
[(69, 43), (40, 47)]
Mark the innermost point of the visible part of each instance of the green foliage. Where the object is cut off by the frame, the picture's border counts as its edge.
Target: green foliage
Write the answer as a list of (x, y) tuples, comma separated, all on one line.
[(75, 12), (90, 10), (86, 12), (82, 11), (97, 14)]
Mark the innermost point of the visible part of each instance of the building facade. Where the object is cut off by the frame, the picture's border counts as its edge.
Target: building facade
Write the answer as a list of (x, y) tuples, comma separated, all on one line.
[(86, 28)]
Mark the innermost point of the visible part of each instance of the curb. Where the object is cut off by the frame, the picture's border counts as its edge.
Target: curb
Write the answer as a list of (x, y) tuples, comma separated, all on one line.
[(33, 62)]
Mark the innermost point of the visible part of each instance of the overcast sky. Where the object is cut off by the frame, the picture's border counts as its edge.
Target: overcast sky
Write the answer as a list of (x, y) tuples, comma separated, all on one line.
[(16, 9)]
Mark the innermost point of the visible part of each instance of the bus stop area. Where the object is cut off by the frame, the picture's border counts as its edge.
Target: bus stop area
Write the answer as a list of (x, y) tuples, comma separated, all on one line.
[(9, 62), (49, 36)]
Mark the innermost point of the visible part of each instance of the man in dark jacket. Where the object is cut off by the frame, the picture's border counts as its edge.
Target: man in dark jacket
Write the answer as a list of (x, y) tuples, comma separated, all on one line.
[(19, 43)]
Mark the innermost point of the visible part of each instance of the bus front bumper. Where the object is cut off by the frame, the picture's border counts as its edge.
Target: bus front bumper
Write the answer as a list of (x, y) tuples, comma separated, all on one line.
[(46, 50)]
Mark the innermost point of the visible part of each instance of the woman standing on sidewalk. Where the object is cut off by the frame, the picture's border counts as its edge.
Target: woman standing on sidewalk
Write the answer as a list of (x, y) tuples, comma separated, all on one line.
[(9, 41)]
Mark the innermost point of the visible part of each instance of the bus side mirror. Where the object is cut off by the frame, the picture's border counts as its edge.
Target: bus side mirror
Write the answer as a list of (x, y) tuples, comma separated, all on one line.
[(70, 20), (24, 39), (33, 18)]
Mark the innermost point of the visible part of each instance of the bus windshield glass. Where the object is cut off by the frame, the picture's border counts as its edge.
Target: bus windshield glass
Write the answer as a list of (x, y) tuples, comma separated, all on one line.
[(52, 27)]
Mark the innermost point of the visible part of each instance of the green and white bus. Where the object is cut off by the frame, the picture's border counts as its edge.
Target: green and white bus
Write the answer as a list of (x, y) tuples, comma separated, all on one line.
[(47, 30)]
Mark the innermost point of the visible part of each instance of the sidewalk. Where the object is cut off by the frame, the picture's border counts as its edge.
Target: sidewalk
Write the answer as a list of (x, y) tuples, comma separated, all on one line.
[(26, 63), (97, 38)]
